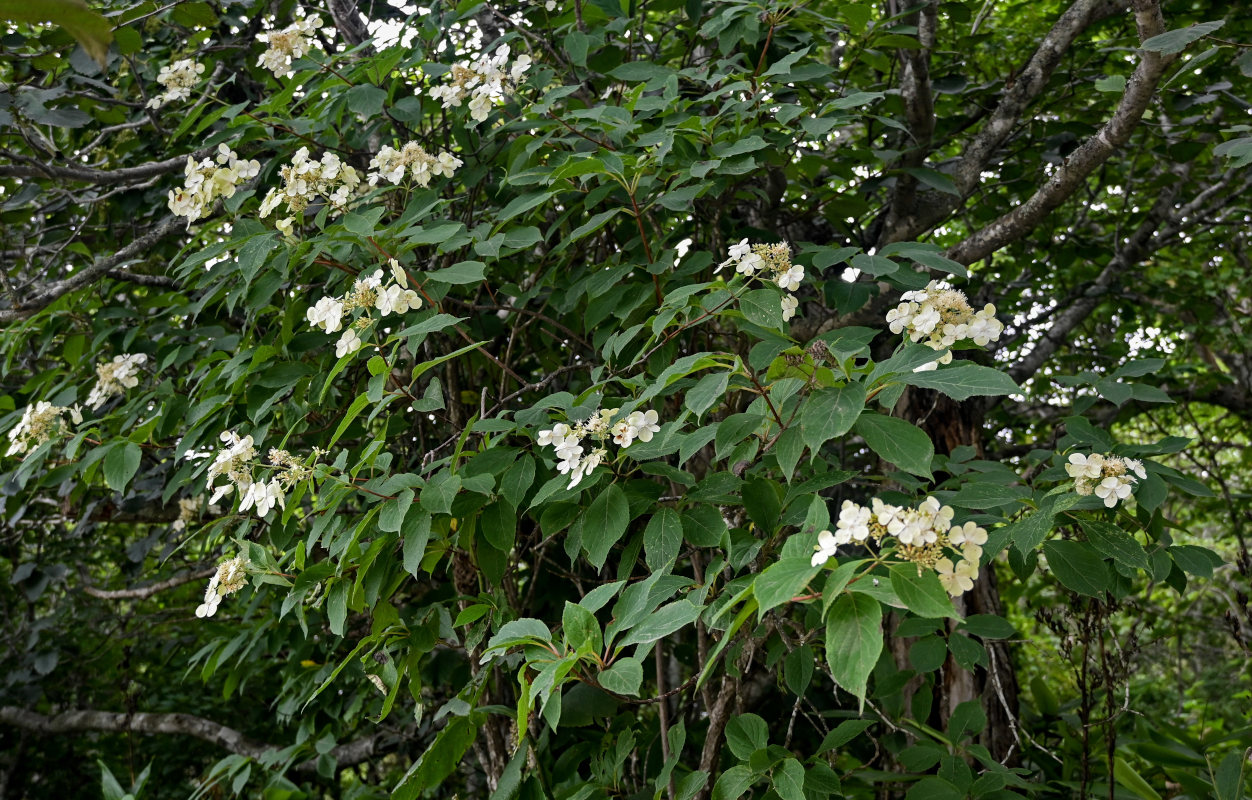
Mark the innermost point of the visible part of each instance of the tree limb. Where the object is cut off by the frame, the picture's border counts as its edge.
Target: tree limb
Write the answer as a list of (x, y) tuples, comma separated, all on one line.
[(1021, 90), (48, 293), (1083, 161), (140, 592), (33, 168), (346, 755)]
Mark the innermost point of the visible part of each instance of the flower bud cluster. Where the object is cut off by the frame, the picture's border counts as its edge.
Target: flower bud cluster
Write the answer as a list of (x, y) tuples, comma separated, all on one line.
[(38, 424), (567, 440), (770, 262), (367, 294), (306, 179), (115, 377), (209, 179), (231, 576), (391, 165), (940, 316), (1105, 476), (236, 462), (288, 44), (485, 81), (188, 510), (923, 535), (178, 79)]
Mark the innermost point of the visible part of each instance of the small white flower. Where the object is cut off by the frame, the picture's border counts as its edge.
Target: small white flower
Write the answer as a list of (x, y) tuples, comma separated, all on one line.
[(1135, 466), (790, 280), (1113, 489), (644, 423), (956, 579), (789, 306), (349, 342), (558, 433), (825, 548), (1083, 466), (327, 314)]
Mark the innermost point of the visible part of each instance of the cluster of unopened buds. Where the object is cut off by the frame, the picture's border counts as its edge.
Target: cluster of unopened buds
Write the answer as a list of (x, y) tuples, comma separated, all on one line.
[(209, 179), (924, 535), (770, 262), (178, 78), (236, 461), (38, 424), (1107, 477), (188, 510), (392, 165), (940, 316), (367, 294), (231, 576), (485, 81), (115, 377), (575, 460), (288, 44)]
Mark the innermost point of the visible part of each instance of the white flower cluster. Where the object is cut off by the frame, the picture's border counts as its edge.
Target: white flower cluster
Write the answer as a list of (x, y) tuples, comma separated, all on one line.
[(115, 377), (235, 462), (391, 164), (209, 179), (178, 79), (367, 294), (1104, 476), (567, 439), (305, 179), (188, 510), (38, 424), (773, 262), (941, 316), (485, 81), (921, 534), (231, 576), (287, 45)]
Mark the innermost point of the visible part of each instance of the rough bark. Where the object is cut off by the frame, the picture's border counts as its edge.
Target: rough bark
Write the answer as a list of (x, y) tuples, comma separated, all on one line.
[(80, 721)]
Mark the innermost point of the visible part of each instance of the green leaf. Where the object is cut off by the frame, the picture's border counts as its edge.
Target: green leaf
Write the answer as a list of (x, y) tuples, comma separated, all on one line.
[(1113, 83), (662, 539), (922, 594), (874, 266), (1175, 41), (459, 273), (732, 783), (391, 517), (934, 179), (831, 412), (788, 780), (88, 27), (963, 381), (707, 391), (416, 534), (580, 628), (1132, 780), (898, 442), (854, 640), (604, 524), (624, 677), (1116, 543), (499, 525), (745, 734), (662, 622), (120, 465), (781, 581), (1078, 567), (763, 307)]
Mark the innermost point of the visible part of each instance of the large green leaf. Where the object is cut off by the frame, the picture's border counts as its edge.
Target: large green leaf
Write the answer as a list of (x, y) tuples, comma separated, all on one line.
[(854, 640), (897, 442), (604, 523)]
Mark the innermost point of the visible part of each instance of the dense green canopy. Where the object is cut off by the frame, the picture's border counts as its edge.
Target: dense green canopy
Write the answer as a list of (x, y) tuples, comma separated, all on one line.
[(542, 399)]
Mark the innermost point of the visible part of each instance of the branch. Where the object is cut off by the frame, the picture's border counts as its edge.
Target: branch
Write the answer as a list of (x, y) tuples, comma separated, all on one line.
[(32, 168), (346, 755), (1021, 90), (140, 592), (1083, 161), (1137, 247), (46, 294)]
